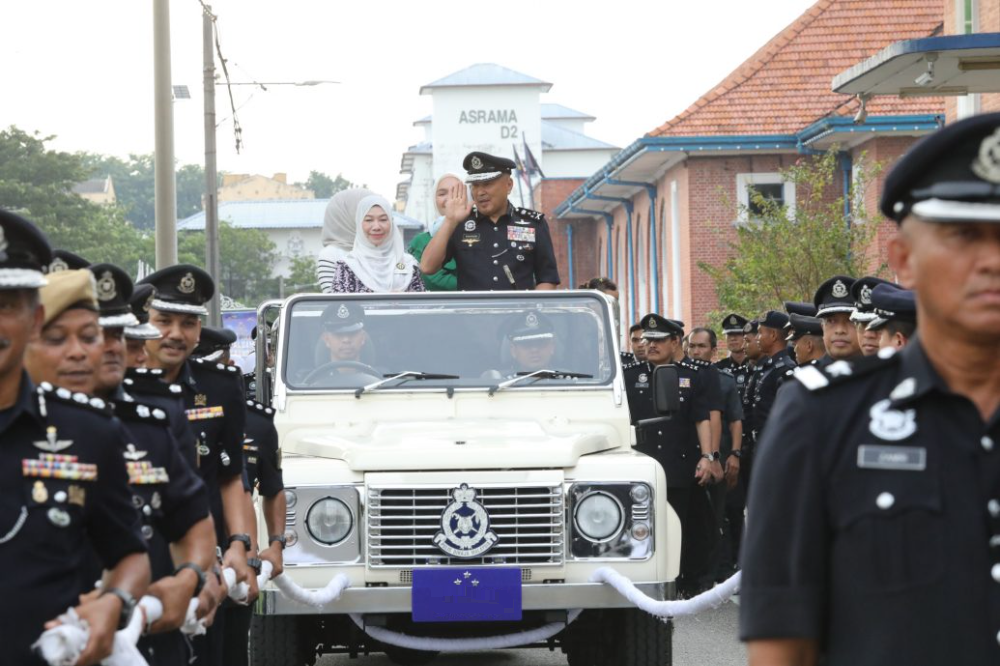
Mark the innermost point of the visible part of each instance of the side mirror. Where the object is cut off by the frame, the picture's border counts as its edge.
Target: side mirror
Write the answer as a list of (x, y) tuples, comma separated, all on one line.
[(666, 390)]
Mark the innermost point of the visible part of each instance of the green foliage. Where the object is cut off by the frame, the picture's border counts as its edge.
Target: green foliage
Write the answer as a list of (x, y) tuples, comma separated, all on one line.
[(303, 276), (781, 255), (325, 187), (246, 259)]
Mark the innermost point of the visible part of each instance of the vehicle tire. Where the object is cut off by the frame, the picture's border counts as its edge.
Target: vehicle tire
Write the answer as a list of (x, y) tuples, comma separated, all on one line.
[(645, 640), (406, 656), (276, 640)]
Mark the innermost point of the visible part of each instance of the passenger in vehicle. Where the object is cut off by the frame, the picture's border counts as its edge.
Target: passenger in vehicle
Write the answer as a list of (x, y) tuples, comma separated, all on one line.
[(532, 341), (445, 279), (338, 233), (378, 261)]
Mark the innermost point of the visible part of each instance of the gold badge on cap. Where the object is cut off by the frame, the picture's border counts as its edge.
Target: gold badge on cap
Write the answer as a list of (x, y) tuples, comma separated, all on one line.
[(149, 302), (652, 323), (57, 265), (839, 289), (187, 284), (106, 288), (476, 162), (987, 162)]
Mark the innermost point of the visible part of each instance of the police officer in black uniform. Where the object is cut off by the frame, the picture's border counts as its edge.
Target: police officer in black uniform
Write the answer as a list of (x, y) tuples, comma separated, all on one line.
[(806, 336), (682, 445), (532, 344), (771, 338), (170, 496), (216, 409), (876, 517), (495, 245), (834, 307), (895, 316), (52, 509), (864, 312)]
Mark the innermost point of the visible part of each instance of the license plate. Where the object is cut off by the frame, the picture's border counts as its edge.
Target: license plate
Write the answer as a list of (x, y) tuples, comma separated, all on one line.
[(466, 595)]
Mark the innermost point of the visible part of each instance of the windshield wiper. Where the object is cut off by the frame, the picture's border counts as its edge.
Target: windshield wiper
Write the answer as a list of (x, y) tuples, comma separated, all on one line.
[(405, 376), (538, 374)]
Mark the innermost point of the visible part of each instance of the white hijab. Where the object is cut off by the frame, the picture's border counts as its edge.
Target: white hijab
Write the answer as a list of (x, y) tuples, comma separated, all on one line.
[(386, 267)]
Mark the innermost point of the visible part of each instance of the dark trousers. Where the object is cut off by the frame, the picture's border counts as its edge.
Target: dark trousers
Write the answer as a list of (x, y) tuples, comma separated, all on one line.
[(208, 648), (698, 534), (237, 635)]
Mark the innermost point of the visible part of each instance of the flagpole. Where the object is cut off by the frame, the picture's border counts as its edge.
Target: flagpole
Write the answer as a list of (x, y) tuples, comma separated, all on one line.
[(520, 170)]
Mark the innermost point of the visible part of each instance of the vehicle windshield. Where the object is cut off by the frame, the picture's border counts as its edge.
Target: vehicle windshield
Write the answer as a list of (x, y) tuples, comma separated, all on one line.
[(353, 341)]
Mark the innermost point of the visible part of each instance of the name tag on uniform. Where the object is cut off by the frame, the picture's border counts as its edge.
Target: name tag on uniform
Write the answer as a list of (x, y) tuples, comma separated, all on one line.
[(470, 239), (205, 413), (521, 234), (904, 458)]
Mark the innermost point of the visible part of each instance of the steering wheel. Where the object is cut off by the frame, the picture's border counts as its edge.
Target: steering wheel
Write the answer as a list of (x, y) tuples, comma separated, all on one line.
[(329, 368)]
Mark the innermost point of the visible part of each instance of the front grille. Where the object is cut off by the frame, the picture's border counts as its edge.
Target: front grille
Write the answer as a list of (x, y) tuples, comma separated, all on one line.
[(406, 576), (402, 522)]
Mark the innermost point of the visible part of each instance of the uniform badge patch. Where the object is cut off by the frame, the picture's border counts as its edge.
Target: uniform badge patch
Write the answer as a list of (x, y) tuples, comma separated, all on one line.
[(903, 458), (891, 425), (470, 225), (470, 239), (684, 382), (200, 400), (643, 378), (77, 495), (52, 443)]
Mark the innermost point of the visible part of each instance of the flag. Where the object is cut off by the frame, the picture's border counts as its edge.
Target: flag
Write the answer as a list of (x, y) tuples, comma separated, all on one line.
[(522, 171), (529, 160)]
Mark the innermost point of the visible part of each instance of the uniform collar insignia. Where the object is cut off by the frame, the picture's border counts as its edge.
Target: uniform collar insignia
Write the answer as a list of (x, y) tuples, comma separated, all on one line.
[(987, 162), (891, 425), (904, 389), (52, 443)]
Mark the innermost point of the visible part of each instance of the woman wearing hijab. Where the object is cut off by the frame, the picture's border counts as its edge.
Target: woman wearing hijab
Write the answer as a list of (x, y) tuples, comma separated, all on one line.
[(377, 262), (338, 233), (445, 279)]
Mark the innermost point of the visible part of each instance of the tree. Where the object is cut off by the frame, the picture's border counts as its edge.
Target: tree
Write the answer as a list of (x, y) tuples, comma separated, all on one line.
[(325, 187), (781, 255), (246, 261), (38, 182), (302, 278)]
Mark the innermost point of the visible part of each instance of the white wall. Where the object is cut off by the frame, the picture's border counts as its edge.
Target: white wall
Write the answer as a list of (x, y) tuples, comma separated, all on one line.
[(420, 199), (575, 163), (304, 241), (463, 123), (574, 124)]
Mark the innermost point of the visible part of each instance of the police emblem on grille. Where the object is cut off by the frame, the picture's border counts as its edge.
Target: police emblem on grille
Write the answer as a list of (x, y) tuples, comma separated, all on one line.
[(866, 295), (343, 312), (839, 289), (987, 163), (476, 162), (465, 526), (58, 264), (470, 225), (186, 285), (106, 287)]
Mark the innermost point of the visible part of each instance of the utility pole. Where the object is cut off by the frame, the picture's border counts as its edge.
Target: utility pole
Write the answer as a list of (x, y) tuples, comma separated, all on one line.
[(211, 186), (165, 185)]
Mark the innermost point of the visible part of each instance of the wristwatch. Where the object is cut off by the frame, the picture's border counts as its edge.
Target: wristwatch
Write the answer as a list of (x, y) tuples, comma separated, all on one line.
[(243, 539), (128, 605), (198, 571), (280, 538), (736, 452), (255, 564), (713, 456)]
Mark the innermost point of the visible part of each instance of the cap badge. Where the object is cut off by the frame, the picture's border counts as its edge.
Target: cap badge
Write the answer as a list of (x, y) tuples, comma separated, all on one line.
[(149, 302), (531, 321), (987, 162), (839, 289), (732, 321), (106, 289), (470, 225), (57, 265), (866, 295), (652, 323), (476, 162), (343, 312), (3, 241), (187, 284)]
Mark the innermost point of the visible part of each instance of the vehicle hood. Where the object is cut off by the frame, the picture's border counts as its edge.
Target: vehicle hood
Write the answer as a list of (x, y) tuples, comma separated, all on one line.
[(458, 444)]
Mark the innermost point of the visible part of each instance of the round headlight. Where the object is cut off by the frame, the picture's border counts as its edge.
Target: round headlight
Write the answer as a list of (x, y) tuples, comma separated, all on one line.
[(290, 499), (329, 521), (640, 493), (291, 538), (599, 517)]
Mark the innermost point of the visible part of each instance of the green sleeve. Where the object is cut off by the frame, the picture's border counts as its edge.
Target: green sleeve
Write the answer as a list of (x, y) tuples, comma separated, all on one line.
[(445, 279)]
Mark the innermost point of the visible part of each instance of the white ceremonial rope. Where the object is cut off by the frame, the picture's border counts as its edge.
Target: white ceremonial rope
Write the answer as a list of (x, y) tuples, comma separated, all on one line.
[(709, 599), (470, 644)]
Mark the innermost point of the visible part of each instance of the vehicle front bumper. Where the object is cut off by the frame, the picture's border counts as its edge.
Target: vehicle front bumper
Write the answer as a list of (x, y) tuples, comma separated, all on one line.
[(397, 599)]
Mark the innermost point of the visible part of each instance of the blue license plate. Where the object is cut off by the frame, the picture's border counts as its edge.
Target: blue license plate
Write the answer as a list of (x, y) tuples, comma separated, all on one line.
[(466, 595)]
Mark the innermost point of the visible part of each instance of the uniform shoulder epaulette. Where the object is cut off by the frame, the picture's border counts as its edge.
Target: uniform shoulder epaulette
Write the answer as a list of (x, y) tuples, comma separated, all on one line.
[(253, 405), (701, 363), (690, 364), (49, 393), (138, 412), (151, 385), (220, 368), (145, 373), (815, 378), (529, 214)]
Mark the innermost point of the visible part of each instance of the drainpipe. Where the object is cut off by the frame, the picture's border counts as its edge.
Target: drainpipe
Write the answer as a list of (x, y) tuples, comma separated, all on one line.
[(608, 220), (569, 255), (654, 249), (630, 273)]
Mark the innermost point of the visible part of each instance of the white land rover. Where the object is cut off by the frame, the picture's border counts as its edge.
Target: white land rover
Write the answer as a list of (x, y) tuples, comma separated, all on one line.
[(466, 460)]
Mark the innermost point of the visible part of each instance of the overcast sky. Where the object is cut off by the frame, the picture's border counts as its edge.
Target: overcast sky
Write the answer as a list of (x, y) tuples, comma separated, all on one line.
[(84, 70)]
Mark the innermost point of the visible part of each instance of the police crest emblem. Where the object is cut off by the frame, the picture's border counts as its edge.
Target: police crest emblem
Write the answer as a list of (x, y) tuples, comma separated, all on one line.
[(476, 162), (987, 162), (343, 312), (866, 295), (839, 289), (58, 264), (465, 526), (106, 289), (470, 225), (187, 284), (891, 425)]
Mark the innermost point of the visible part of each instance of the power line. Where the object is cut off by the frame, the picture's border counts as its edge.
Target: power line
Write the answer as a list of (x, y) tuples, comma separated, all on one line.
[(237, 129)]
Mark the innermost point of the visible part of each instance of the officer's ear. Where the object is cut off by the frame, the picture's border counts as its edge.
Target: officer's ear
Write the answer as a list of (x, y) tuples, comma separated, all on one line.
[(510, 183), (901, 253)]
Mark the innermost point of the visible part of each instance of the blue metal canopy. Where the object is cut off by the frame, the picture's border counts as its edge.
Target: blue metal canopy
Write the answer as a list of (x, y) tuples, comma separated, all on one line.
[(932, 66)]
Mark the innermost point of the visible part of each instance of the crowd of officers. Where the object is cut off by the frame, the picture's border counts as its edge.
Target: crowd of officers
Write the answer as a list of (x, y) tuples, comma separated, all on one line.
[(130, 454), (707, 448)]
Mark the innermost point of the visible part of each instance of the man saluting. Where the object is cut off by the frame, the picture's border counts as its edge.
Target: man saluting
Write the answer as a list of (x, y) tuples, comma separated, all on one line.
[(495, 245)]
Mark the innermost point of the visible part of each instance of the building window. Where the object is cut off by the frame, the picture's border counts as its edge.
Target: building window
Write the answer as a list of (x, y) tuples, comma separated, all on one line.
[(770, 186), (968, 16)]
